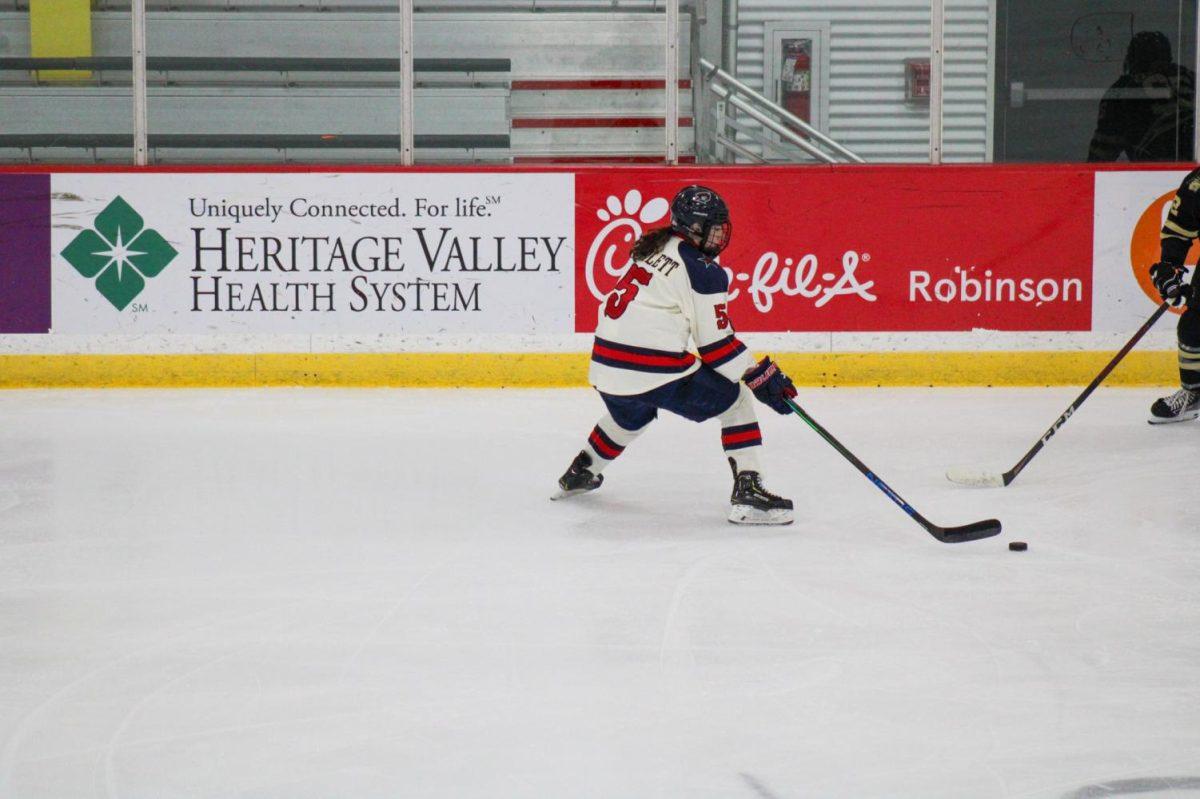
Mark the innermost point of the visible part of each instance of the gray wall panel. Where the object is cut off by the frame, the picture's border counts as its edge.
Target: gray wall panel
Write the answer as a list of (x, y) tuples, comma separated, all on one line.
[(870, 39)]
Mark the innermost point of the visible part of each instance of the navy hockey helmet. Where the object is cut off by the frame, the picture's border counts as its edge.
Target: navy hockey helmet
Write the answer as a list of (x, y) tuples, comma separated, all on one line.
[(700, 214)]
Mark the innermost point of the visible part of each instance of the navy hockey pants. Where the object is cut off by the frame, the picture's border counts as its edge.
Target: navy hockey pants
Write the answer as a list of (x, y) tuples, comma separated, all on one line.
[(699, 397), (702, 395)]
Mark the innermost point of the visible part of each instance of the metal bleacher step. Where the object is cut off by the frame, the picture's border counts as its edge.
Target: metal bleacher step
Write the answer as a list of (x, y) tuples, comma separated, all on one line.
[(597, 119)]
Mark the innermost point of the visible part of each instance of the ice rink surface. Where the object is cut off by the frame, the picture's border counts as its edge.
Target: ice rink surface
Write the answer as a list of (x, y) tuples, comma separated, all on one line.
[(302, 594)]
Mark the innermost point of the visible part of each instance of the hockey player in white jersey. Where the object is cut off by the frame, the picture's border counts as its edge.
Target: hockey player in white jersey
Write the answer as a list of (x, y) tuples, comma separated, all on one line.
[(673, 293)]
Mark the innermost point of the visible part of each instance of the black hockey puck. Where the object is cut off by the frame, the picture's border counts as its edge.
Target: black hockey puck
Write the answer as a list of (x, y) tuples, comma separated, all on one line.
[(1018, 546)]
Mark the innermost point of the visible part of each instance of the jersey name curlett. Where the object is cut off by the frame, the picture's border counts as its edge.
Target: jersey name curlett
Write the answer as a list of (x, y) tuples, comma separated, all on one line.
[(666, 317)]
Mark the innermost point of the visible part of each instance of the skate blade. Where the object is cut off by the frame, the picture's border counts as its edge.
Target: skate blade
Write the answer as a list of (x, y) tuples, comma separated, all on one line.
[(1186, 416), (568, 494), (745, 514)]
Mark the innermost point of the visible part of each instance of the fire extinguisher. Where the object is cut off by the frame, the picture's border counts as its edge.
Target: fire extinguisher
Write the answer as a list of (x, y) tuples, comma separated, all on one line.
[(795, 85)]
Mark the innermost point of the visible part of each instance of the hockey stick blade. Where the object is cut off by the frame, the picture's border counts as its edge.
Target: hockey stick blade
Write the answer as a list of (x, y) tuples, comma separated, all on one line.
[(947, 535), (967, 532), (976, 478)]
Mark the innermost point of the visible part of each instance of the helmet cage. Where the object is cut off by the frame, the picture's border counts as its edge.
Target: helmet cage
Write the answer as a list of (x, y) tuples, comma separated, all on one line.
[(716, 238), (710, 237)]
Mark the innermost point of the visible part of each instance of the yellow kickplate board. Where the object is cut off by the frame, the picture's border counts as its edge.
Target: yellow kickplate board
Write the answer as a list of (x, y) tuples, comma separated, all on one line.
[(60, 29), (564, 370)]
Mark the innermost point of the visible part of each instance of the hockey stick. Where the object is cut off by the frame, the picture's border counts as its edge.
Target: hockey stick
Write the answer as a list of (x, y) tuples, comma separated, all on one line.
[(947, 535), (982, 479)]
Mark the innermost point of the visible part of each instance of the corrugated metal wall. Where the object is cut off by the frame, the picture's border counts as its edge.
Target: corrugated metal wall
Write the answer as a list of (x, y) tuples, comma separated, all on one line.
[(870, 39)]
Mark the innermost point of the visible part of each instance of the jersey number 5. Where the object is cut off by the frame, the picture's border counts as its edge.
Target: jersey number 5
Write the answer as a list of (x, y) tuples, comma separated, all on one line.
[(626, 289)]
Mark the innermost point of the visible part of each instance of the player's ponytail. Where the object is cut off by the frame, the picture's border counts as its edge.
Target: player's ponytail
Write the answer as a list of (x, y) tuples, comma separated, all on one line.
[(651, 243)]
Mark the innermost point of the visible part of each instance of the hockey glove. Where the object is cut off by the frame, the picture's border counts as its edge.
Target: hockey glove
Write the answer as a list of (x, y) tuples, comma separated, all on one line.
[(770, 385), (1169, 280)]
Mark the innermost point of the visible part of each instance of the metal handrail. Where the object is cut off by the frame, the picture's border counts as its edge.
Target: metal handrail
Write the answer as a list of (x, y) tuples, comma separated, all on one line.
[(767, 122), (226, 64), (733, 87), (766, 142), (745, 152)]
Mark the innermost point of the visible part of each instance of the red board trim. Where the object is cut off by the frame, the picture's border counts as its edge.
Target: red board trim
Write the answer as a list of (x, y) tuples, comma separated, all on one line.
[(693, 173)]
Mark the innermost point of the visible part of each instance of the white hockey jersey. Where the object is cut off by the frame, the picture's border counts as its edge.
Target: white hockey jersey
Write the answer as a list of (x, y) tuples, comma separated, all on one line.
[(645, 323)]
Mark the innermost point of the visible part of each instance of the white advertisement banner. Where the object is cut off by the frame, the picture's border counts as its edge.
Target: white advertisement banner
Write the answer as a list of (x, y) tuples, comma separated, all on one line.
[(1129, 211), (358, 253)]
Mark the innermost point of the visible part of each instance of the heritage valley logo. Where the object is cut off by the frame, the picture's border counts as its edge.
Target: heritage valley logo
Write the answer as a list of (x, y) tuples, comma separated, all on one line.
[(120, 252)]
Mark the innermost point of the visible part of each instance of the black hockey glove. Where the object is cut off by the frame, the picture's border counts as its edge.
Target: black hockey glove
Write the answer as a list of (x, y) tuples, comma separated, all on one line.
[(770, 385), (1169, 281)]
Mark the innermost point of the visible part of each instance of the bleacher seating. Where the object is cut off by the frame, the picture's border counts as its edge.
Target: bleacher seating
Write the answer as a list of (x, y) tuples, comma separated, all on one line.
[(337, 118), (581, 85)]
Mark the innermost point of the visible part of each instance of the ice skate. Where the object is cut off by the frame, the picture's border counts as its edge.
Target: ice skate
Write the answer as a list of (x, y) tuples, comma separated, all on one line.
[(1182, 406), (753, 504), (578, 479)]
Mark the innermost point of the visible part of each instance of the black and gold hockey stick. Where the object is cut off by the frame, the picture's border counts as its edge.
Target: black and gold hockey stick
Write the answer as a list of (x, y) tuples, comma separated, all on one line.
[(979, 478)]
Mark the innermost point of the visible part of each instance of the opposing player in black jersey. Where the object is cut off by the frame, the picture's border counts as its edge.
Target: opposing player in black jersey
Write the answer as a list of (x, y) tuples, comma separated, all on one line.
[(672, 297), (1170, 278)]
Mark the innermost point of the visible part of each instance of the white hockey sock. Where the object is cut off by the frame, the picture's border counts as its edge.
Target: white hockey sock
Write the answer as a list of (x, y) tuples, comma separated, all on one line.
[(607, 441), (740, 435)]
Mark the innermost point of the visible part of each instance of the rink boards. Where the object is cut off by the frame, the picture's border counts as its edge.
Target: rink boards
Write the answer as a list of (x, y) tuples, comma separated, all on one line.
[(561, 370), (871, 275)]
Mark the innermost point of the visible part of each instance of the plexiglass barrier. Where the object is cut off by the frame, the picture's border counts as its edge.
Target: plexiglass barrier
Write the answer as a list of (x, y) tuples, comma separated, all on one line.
[(624, 81)]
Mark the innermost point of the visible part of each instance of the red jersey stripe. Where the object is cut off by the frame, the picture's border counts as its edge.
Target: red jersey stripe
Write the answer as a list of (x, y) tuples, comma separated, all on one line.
[(738, 438), (604, 449), (716, 355), (646, 360)]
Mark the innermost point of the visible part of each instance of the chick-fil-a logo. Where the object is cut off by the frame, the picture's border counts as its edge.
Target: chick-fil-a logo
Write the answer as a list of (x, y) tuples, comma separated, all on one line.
[(607, 260), (802, 277), (624, 224)]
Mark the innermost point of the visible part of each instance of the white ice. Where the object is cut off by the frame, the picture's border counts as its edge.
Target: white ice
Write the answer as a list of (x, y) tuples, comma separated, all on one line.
[(301, 594)]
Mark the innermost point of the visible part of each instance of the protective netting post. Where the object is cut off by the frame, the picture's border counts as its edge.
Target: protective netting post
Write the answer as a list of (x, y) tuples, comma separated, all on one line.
[(671, 122), (141, 149), (1195, 111), (937, 23), (406, 82)]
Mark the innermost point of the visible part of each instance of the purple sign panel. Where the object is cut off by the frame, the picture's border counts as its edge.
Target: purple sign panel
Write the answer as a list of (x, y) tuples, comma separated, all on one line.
[(24, 253)]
